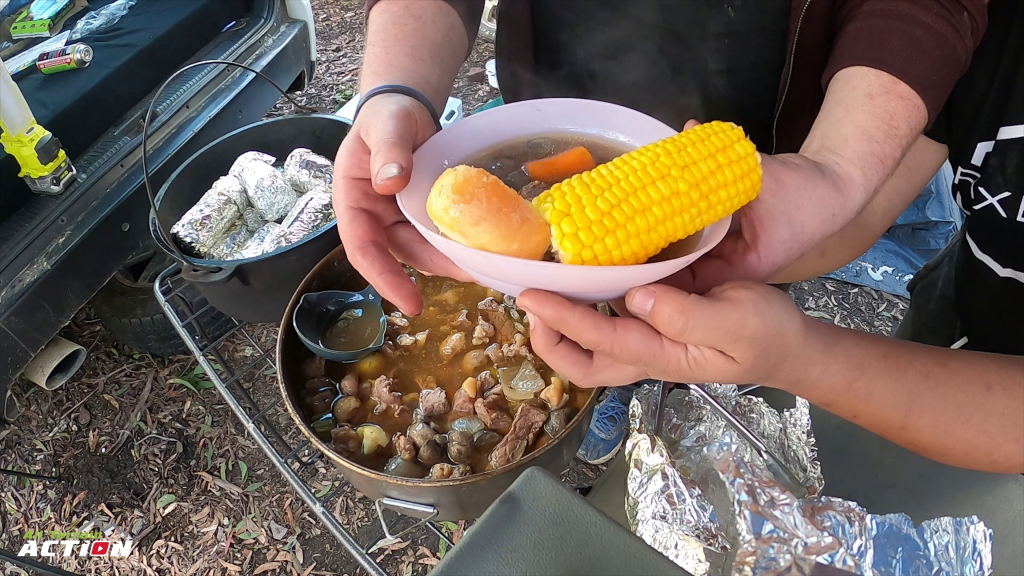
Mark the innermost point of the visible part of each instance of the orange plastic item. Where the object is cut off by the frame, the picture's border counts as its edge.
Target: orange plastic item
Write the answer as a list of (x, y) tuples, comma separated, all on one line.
[(554, 169)]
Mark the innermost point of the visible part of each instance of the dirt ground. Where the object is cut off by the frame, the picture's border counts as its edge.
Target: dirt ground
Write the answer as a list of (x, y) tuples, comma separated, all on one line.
[(147, 443)]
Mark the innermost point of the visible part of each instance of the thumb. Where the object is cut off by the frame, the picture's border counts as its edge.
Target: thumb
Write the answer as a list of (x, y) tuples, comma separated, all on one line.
[(391, 143), (680, 316)]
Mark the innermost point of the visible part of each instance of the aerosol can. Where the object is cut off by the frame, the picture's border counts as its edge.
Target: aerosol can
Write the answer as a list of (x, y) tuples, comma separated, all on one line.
[(44, 164)]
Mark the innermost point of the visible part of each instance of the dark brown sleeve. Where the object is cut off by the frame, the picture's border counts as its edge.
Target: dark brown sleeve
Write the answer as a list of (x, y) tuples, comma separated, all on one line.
[(469, 11), (925, 43)]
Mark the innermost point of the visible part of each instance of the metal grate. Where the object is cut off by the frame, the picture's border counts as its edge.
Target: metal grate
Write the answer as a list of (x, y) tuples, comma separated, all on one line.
[(292, 460)]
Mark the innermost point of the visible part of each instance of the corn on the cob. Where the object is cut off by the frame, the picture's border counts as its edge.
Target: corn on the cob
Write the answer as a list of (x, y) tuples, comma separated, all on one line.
[(627, 210)]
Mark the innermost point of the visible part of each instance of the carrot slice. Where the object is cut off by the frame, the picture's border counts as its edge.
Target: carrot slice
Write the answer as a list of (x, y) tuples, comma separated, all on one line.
[(556, 168)]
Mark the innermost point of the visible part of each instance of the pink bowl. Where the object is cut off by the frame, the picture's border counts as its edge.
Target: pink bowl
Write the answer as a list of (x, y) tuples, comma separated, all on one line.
[(477, 133)]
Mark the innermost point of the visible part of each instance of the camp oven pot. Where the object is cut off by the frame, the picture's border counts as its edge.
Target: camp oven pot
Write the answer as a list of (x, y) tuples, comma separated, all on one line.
[(452, 499), (252, 289)]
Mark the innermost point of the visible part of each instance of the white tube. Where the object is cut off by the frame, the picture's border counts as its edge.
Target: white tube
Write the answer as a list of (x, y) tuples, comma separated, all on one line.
[(15, 114)]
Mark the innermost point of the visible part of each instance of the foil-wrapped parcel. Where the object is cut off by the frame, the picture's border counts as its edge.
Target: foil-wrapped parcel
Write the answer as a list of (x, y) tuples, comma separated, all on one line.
[(247, 158), (267, 190), (311, 212), (307, 171), (208, 221), (700, 494), (258, 208)]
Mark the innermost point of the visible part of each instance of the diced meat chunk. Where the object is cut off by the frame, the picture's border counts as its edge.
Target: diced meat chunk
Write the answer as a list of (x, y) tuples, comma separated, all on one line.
[(461, 320), (350, 385), (495, 354), (405, 340), (504, 326), (493, 410), (384, 393), (397, 320), (483, 331), (405, 448), (445, 471), (462, 404), (313, 368), (489, 303), (345, 440), (452, 345), (527, 422), (533, 189), (486, 381), (518, 347), (433, 401), (473, 360)]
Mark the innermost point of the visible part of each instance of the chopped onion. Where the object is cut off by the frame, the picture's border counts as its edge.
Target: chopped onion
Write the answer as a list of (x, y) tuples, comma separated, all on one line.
[(471, 424)]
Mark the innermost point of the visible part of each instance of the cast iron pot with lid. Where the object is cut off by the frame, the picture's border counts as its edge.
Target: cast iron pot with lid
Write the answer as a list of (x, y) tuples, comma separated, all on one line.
[(452, 499), (251, 289)]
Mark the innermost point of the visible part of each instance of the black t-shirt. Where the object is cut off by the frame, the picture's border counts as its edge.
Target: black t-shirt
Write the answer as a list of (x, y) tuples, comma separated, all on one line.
[(983, 125), (671, 59)]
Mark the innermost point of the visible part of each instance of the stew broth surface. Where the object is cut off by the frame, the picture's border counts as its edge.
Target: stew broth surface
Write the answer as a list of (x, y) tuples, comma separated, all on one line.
[(415, 364)]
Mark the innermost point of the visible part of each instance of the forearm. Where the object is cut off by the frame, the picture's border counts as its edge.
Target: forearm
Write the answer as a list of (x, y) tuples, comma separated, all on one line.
[(418, 44), (919, 166), (958, 407), (866, 124)]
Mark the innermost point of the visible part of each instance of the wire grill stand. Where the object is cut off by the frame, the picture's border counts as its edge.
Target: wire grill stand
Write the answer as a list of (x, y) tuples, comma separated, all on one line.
[(289, 459)]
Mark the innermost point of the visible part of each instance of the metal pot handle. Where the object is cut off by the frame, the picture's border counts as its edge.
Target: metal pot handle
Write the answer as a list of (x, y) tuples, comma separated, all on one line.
[(198, 275), (424, 512)]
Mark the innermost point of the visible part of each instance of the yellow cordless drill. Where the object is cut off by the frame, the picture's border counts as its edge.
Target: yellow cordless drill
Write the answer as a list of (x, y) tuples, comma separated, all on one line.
[(44, 164)]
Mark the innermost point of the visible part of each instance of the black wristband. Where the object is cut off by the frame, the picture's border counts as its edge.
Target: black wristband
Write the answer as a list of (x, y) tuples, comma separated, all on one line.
[(404, 90)]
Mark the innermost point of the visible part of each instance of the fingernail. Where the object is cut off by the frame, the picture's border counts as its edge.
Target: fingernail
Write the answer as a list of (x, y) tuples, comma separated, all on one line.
[(642, 302), (389, 171)]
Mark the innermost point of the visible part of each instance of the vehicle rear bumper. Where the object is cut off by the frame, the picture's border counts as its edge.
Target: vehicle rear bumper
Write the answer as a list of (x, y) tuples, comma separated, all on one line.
[(69, 259)]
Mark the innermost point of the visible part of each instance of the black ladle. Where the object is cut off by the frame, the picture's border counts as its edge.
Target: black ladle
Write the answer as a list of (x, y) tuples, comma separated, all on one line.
[(317, 311)]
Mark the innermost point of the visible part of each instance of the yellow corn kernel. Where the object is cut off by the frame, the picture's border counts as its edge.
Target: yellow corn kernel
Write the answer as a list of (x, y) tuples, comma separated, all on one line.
[(629, 209)]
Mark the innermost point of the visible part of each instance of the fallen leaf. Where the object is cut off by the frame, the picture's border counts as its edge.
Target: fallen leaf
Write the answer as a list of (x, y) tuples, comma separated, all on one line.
[(277, 531), (267, 567), (112, 401), (165, 500), (230, 567)]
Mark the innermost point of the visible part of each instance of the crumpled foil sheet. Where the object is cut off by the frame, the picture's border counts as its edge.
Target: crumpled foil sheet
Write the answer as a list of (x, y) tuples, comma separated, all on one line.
[(267, 189), (307, 171), (199, 230), (700, 495)]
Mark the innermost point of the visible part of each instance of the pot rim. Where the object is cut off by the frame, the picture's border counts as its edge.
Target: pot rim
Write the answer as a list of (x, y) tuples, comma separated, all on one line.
[(348, 465)]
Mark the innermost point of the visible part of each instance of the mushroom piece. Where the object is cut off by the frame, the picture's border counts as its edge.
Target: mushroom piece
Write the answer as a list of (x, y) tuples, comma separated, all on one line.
[(405, 340), (421, 337), (398, 466), (420, 433), (431, 452), (460, 446), (485, 439), (471, 424), (345, 407), (345, 440), (350, 385), (558, 420)]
